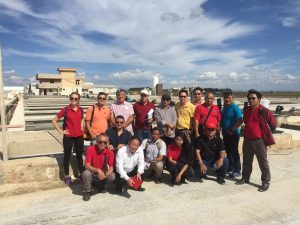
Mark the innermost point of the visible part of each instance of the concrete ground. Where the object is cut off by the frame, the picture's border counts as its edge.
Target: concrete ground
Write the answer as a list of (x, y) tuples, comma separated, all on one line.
[(192, 203)]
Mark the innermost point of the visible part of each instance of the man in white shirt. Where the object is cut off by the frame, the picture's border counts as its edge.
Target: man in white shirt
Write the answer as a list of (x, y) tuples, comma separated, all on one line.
[(129, 162), (155, 150)]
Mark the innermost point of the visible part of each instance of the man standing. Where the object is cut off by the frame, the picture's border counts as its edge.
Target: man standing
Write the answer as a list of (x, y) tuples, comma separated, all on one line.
[(129, 162), (185, 113), (123, 108), (97, 118), (118, 135), (259, 121), (231, 121), (166, 119), (206, 113), (99, 166), (210, 152), (144, 111), (155, 150), (198, 93)]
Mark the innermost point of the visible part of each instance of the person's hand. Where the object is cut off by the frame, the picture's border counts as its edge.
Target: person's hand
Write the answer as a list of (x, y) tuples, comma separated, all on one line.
[(63, 132), (100, 175), (219, 163), (178, 178), (203, 168), (138, 176), (120, 146), (197, 135), (130, 182), (110, 147), (150, 120)]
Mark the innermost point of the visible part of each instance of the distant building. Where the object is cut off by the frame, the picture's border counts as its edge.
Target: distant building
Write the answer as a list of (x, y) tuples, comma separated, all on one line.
[(159, 89), (63, 83), (108, 89)]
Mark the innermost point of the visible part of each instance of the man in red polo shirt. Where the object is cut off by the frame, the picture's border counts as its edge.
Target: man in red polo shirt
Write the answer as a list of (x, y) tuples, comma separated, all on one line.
[(99, 165), (206, 113), (144, 114), (259, 121)]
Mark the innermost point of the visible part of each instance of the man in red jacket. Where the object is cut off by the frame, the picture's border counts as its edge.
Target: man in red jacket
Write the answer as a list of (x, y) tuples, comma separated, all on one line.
[(259, 122)]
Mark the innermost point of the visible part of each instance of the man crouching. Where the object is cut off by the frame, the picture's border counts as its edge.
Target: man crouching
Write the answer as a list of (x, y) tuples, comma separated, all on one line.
[(99, 166), (129, 162), (210, 152)]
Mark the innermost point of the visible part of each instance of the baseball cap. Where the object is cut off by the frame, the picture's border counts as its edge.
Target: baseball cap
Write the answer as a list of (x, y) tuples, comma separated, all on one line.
[(211, 126), (145, 92)]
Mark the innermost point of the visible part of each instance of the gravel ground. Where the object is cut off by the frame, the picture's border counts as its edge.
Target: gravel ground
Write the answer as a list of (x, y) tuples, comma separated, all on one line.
[(192, 203)]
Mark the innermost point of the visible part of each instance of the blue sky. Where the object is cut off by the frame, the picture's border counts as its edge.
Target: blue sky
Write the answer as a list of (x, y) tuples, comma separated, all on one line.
[(238, 44)]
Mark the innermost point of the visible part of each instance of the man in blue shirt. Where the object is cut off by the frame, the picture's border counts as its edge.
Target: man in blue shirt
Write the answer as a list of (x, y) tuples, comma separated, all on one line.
[(231, 120)]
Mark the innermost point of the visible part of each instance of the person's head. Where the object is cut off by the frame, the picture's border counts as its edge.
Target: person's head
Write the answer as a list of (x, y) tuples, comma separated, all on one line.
[(165, 100), (144, 96), (121, 95), (101, 98), (198, 94), (102, 141), (180, 139), (210, 130), (119, 121), (155, 134), (228, 97), (183, 96), (74, 98), (133, 144), (254, 98), (209, 98)]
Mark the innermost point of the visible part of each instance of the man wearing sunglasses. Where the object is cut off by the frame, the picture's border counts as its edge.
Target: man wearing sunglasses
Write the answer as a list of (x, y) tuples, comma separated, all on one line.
[(210, 152), (99, 166), (259, 122), (97, 118), (197, 96)]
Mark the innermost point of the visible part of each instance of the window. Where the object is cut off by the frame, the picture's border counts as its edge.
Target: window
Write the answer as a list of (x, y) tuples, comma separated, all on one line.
[(51, 81), (77, 82)]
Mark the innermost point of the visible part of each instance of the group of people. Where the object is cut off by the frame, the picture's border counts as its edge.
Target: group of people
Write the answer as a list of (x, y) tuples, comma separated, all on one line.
[(126, 148)]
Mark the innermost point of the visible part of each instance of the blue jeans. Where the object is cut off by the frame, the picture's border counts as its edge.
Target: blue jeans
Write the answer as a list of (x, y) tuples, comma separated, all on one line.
[(209, 164), (142, 134)]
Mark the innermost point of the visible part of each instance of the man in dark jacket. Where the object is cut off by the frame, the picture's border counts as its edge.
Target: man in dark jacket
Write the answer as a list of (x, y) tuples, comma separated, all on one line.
[(259, 122)]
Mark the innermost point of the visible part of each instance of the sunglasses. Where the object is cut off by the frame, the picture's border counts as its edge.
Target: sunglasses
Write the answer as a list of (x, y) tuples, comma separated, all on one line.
[(101, 98), (102, 142), (252, 98), (210, 130), (75, 99), (118, 122), (143, 95), (165, 99), (182, 96)]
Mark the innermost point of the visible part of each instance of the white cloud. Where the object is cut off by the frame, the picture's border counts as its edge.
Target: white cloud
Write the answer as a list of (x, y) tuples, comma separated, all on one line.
[(10, 78), (289, 21)]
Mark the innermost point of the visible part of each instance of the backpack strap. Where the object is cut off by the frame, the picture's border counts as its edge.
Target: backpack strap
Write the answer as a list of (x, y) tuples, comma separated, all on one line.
[(92, 116), (65, 118)]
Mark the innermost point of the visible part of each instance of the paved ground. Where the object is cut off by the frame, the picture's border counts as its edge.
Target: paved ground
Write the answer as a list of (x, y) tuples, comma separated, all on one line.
[(192, 203)]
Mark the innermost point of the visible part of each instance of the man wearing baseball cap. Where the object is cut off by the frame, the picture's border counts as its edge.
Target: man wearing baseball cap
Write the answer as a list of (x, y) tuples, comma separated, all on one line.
[(210, 152)]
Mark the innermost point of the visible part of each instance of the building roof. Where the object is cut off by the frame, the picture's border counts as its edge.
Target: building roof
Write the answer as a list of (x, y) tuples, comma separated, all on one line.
[(48, 76), (104, 86), (60, 69)]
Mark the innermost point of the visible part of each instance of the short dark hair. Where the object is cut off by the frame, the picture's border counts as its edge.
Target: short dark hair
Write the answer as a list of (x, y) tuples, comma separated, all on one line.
[(101, 134), (121, 90), (120, 117), (75, 93), (253, 91), (197, 89), (227, 93), (209, 92), (134, 138), (156, 128), (101, 93), (183, 90)]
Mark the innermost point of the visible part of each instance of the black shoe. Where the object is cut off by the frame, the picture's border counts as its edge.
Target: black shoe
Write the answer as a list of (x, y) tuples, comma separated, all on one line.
[(141, 189), (102, 190), (87, 196), (123, 192), (201, 180), (264, 187), (157, 180), (242, 181), (220, 180)]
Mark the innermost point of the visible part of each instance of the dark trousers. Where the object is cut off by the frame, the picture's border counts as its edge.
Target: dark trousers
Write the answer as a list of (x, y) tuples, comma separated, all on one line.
[(175, 170), (210, 163), (120, 182), (68, 143), (231, 143), (167, 140), (257, 148)]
